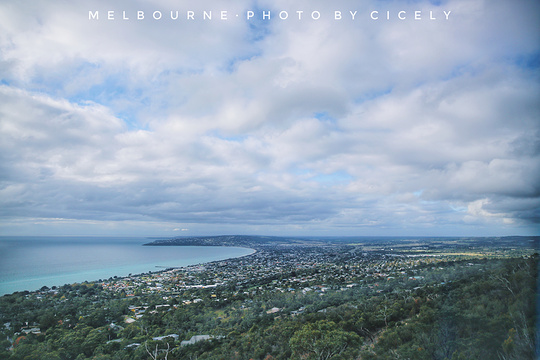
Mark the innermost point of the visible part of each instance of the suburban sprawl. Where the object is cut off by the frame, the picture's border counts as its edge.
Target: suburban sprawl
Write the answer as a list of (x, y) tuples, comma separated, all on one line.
[(295, 298)]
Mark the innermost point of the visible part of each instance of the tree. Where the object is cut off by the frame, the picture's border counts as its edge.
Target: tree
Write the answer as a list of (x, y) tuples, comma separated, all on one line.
[(154, 353), (94, 338), (322, 340), (47, 321)]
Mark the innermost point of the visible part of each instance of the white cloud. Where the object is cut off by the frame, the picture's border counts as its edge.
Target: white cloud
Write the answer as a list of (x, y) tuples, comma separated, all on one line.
[(302, 125)]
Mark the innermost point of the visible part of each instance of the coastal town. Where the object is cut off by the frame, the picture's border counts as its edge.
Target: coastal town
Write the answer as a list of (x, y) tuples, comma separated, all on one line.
[(298, 269), (172, 312)]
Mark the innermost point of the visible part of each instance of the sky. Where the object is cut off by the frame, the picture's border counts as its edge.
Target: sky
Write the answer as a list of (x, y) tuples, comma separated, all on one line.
[(313, 124)]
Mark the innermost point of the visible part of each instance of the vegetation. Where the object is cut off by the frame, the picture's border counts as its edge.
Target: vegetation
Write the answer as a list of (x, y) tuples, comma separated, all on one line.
[(321, 302)]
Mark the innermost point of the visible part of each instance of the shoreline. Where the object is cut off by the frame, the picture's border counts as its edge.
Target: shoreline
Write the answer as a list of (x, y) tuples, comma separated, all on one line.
[(208, 262), (77, 248), (47, 281)]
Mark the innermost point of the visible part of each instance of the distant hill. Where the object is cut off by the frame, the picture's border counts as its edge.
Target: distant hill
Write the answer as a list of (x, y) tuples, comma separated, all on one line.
[(236, 240), (256, 241)]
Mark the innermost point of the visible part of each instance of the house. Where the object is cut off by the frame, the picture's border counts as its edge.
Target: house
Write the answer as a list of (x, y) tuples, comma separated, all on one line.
[(159, 338), (196, 338), (35, 331)]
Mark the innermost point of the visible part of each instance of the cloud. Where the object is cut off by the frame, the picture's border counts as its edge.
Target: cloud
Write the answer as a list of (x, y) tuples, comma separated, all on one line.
[(308, 126)]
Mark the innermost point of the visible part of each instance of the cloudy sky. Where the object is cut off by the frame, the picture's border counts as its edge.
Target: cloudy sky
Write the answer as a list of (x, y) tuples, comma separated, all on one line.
[(269, 126)]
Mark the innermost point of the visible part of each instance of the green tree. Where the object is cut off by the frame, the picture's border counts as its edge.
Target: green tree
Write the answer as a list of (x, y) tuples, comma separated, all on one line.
[(47, 321), (94, 338), (321, 340)]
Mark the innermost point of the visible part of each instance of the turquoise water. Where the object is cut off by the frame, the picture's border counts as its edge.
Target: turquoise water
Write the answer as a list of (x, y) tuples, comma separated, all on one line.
[(28, 263)]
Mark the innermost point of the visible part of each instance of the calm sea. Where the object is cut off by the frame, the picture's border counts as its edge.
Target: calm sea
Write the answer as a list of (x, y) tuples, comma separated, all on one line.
[(28, 263)]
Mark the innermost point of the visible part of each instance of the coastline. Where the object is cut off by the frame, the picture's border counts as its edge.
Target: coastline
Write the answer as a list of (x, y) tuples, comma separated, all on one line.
[(254, 251), (13, 279), (33, 248)]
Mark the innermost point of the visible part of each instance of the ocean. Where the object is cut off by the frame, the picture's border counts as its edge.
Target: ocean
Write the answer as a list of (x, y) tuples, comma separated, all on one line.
[(29, 263)]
